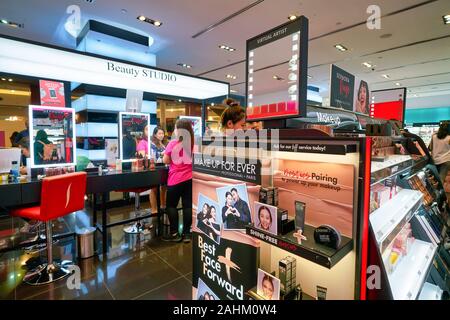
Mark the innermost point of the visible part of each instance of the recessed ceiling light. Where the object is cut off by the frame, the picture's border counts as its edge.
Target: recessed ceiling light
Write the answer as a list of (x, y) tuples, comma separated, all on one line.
[(386, 76), (367, 65), (10, 80), (4, 21), (212, 104), (398, 84), (124, 11), (179, 100), (446, 19), (156, 23), (340, 47), (3, 79), (184, 65), (230, 76), (292, 17), (227, 48)]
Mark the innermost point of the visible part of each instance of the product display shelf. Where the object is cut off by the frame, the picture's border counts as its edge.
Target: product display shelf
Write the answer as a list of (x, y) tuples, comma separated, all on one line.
[(308, 249), (295, 295), (409, 275), (388, 220), (398, 165), (430, 292)]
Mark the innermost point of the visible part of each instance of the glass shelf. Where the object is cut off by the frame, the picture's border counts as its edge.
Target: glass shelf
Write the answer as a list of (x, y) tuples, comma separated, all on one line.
[(388, 220)]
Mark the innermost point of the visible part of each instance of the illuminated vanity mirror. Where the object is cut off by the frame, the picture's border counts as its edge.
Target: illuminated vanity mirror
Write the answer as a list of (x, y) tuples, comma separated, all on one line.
[(135, 132), (276, 72)]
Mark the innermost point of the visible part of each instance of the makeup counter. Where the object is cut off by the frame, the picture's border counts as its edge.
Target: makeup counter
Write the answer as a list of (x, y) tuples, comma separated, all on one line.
[(334, 212)]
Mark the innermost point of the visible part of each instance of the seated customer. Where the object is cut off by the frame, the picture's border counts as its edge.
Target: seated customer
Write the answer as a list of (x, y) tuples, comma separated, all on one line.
[(30, 226), (24, 145)]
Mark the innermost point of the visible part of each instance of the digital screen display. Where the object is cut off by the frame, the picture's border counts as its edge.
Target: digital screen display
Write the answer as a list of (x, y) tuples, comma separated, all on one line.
[(135, 135), (388, 104), (52, 135)]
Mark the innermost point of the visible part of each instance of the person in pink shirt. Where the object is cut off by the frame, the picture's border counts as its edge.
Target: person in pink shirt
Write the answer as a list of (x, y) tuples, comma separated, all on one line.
[(178, 155), (142, 147)]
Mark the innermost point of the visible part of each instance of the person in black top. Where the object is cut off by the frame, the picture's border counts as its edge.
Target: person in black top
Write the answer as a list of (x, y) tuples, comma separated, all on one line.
[(242, 207), (202, 219)]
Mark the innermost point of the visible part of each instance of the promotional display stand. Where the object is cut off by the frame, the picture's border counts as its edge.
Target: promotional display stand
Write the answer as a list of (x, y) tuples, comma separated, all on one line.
[(322, 174)]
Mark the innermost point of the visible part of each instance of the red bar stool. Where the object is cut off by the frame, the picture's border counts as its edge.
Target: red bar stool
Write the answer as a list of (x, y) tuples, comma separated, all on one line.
[(136, 227), (60, 196)]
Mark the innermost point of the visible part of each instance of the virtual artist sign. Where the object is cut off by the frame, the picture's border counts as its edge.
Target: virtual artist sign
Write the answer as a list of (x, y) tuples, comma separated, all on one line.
[(228, 269)]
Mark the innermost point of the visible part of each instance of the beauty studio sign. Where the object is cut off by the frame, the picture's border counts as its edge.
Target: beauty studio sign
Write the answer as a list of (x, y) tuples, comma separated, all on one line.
[(29, 59)]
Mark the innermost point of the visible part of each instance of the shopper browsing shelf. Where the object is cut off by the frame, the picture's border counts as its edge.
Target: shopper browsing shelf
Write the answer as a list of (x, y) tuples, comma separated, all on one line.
[(24, 145), (157, 148), (440, 149), (178, 155)]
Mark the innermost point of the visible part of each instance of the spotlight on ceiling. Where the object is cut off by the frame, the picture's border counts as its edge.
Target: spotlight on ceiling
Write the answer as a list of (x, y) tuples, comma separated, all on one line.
[(156, 23), (292, 17), (227, 48), (184, 65), (340, 47)]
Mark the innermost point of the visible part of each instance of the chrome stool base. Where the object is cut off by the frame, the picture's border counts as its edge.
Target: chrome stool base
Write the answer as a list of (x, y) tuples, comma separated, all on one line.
[(139, 226), (48, 273)]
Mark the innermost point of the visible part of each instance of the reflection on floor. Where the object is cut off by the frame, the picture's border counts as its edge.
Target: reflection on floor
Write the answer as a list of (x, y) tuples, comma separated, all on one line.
[(137, 267)]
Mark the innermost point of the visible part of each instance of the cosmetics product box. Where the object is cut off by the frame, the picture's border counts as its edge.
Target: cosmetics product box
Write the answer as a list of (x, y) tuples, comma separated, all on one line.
[(269, 195), (266, 195), (286, 227), (287, 275), (282, 267)]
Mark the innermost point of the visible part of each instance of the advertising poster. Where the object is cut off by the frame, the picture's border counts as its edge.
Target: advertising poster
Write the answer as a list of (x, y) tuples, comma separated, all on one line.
[(52, 136), (52, 93), (361, 96), (209, 219), (342, 87), (228, 267), (268, 286), (265, 218), (204, 292), (326, 189)]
